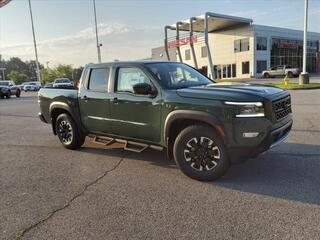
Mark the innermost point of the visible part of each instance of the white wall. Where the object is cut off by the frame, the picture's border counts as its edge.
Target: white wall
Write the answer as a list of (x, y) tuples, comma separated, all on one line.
[(222, 49)]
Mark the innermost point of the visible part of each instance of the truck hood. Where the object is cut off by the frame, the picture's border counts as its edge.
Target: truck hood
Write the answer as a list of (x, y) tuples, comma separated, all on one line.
[(230, 91)]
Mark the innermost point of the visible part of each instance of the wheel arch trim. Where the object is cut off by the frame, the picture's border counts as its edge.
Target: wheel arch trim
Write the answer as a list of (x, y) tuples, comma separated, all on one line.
[(192, 115)]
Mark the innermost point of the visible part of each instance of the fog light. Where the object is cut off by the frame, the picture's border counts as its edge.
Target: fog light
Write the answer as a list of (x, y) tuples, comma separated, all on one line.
[(250, 134)]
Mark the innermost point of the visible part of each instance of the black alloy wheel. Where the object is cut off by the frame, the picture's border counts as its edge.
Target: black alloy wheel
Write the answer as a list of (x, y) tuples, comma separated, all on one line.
[(68, 133), (200, 153)]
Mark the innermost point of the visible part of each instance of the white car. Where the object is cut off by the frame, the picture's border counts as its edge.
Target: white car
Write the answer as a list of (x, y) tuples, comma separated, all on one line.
[(62, 82), (282, 70), (31, 86)]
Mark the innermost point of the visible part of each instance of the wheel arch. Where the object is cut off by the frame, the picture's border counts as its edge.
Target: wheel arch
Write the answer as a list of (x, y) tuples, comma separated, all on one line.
[(177, 120), (58, 108)]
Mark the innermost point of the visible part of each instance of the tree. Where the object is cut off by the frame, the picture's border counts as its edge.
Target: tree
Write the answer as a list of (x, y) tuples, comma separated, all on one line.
[(17, 77)]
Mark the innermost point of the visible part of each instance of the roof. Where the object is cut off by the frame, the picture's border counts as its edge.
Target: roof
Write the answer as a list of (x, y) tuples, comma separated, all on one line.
[(127, 62), (215, 22)]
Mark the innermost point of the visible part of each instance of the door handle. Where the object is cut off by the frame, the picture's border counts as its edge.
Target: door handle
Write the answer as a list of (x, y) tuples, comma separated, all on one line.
[(114, 100)]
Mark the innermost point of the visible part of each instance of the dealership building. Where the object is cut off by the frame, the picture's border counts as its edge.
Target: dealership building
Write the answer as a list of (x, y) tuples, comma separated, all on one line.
[(223, 46)]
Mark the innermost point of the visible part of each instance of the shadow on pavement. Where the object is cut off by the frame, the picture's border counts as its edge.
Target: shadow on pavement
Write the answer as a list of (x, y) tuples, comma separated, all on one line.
[(287, 175), (281, 173)]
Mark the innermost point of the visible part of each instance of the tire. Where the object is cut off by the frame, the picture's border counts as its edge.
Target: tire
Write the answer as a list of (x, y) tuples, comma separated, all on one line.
[(2, 95), (266, 75), (187, 158), (290, 75), (68, 133), (18, 93), (8, 95)]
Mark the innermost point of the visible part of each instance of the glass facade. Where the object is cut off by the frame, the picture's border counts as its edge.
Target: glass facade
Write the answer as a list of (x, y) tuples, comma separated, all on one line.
[(290, 52)]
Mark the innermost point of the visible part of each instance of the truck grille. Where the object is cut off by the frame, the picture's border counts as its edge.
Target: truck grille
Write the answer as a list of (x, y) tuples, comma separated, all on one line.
[(282, 108)]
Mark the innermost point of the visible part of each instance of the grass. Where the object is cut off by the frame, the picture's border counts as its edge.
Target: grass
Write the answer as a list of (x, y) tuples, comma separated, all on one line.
[(295, 85)]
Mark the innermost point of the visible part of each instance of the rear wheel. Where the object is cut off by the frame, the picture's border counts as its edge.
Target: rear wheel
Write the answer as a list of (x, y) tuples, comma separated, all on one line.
[(200, 153), (18, 93), (68, 133), (290, 75), (266, 75)]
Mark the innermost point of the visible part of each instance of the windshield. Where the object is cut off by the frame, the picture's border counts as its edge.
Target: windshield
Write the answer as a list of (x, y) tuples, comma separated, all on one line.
[(62, 81), (177, 75), (2, 83)]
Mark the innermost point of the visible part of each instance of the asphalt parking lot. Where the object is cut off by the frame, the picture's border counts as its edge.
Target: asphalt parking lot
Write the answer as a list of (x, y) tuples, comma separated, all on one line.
[(48, 192)]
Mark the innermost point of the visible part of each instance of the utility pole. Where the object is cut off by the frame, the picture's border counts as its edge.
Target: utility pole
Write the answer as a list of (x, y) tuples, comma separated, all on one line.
[(35, 45), (304, 76), (97, 39)]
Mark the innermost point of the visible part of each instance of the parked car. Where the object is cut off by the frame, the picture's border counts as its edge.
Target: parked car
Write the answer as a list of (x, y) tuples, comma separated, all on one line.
[(204, 126), (48, 85), (32, 86), (22, 85), (8, 88), (62, 83), (282, 70)]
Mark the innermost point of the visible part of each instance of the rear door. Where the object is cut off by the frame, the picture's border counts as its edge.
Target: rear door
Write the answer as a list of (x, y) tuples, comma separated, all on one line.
[(94, 100), (135, 116)]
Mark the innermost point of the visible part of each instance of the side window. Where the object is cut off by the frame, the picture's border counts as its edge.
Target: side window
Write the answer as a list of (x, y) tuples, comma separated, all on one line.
[(128, 77), (99, 79), (204, 52)]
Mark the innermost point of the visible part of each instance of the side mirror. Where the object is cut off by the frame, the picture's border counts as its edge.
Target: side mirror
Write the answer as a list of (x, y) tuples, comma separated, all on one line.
[(143, 89)]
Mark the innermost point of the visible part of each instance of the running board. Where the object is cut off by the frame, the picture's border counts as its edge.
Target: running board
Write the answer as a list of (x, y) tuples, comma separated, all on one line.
[(133, 146), (128, 145), (103, 140)]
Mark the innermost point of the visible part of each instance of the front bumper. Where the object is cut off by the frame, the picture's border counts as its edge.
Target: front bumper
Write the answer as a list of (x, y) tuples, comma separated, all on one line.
[(271, 140)]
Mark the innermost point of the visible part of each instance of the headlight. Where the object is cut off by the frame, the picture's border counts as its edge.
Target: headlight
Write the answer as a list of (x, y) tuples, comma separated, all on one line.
[(248, 109)]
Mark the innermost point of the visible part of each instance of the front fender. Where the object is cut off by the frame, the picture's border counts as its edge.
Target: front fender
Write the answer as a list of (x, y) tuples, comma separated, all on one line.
[(192, 115)]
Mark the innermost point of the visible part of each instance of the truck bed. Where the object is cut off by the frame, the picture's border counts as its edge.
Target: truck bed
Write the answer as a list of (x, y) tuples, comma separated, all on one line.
[(48, 97)]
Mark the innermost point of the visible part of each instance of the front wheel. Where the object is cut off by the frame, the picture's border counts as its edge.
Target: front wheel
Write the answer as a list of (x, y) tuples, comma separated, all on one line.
[(68, 133), (8, 94), (200, 153)]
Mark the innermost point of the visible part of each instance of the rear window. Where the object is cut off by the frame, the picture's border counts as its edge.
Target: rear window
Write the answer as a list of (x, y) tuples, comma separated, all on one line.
[(99, 79)]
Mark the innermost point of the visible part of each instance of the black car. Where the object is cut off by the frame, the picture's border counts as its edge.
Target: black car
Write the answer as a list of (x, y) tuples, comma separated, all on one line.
[(7, 88)]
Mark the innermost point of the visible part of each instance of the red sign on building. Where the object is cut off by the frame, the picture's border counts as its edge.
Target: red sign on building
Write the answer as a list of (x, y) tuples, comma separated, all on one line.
[(182, 41), (4, 2)]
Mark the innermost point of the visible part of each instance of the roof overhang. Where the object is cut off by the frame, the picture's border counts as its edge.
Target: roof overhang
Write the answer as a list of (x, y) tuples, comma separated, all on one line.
[(216, 22)]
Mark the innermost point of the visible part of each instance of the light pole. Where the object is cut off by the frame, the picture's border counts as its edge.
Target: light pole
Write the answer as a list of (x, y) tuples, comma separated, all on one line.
[(35, 45), (97, 39), (304, 76)]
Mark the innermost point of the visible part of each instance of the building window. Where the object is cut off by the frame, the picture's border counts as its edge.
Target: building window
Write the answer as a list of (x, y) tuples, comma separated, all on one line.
[(245, 67), (204, 52), (261, 66), (241, 45), (187, 54), (237, 45), (234, 70), (262, 43)]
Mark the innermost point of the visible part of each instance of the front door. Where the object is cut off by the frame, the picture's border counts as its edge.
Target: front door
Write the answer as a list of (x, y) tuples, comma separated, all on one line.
[(133, 115), (94, 101)]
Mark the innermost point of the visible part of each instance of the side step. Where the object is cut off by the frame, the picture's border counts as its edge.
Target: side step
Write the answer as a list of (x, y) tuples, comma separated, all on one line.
[(128, 145), (103, 140)]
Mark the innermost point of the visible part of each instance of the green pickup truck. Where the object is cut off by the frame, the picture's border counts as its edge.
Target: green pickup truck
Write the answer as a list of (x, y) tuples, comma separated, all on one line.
[(204, 126)]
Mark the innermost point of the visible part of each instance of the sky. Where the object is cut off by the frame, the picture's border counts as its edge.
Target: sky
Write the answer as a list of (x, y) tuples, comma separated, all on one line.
[(127, 29)]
